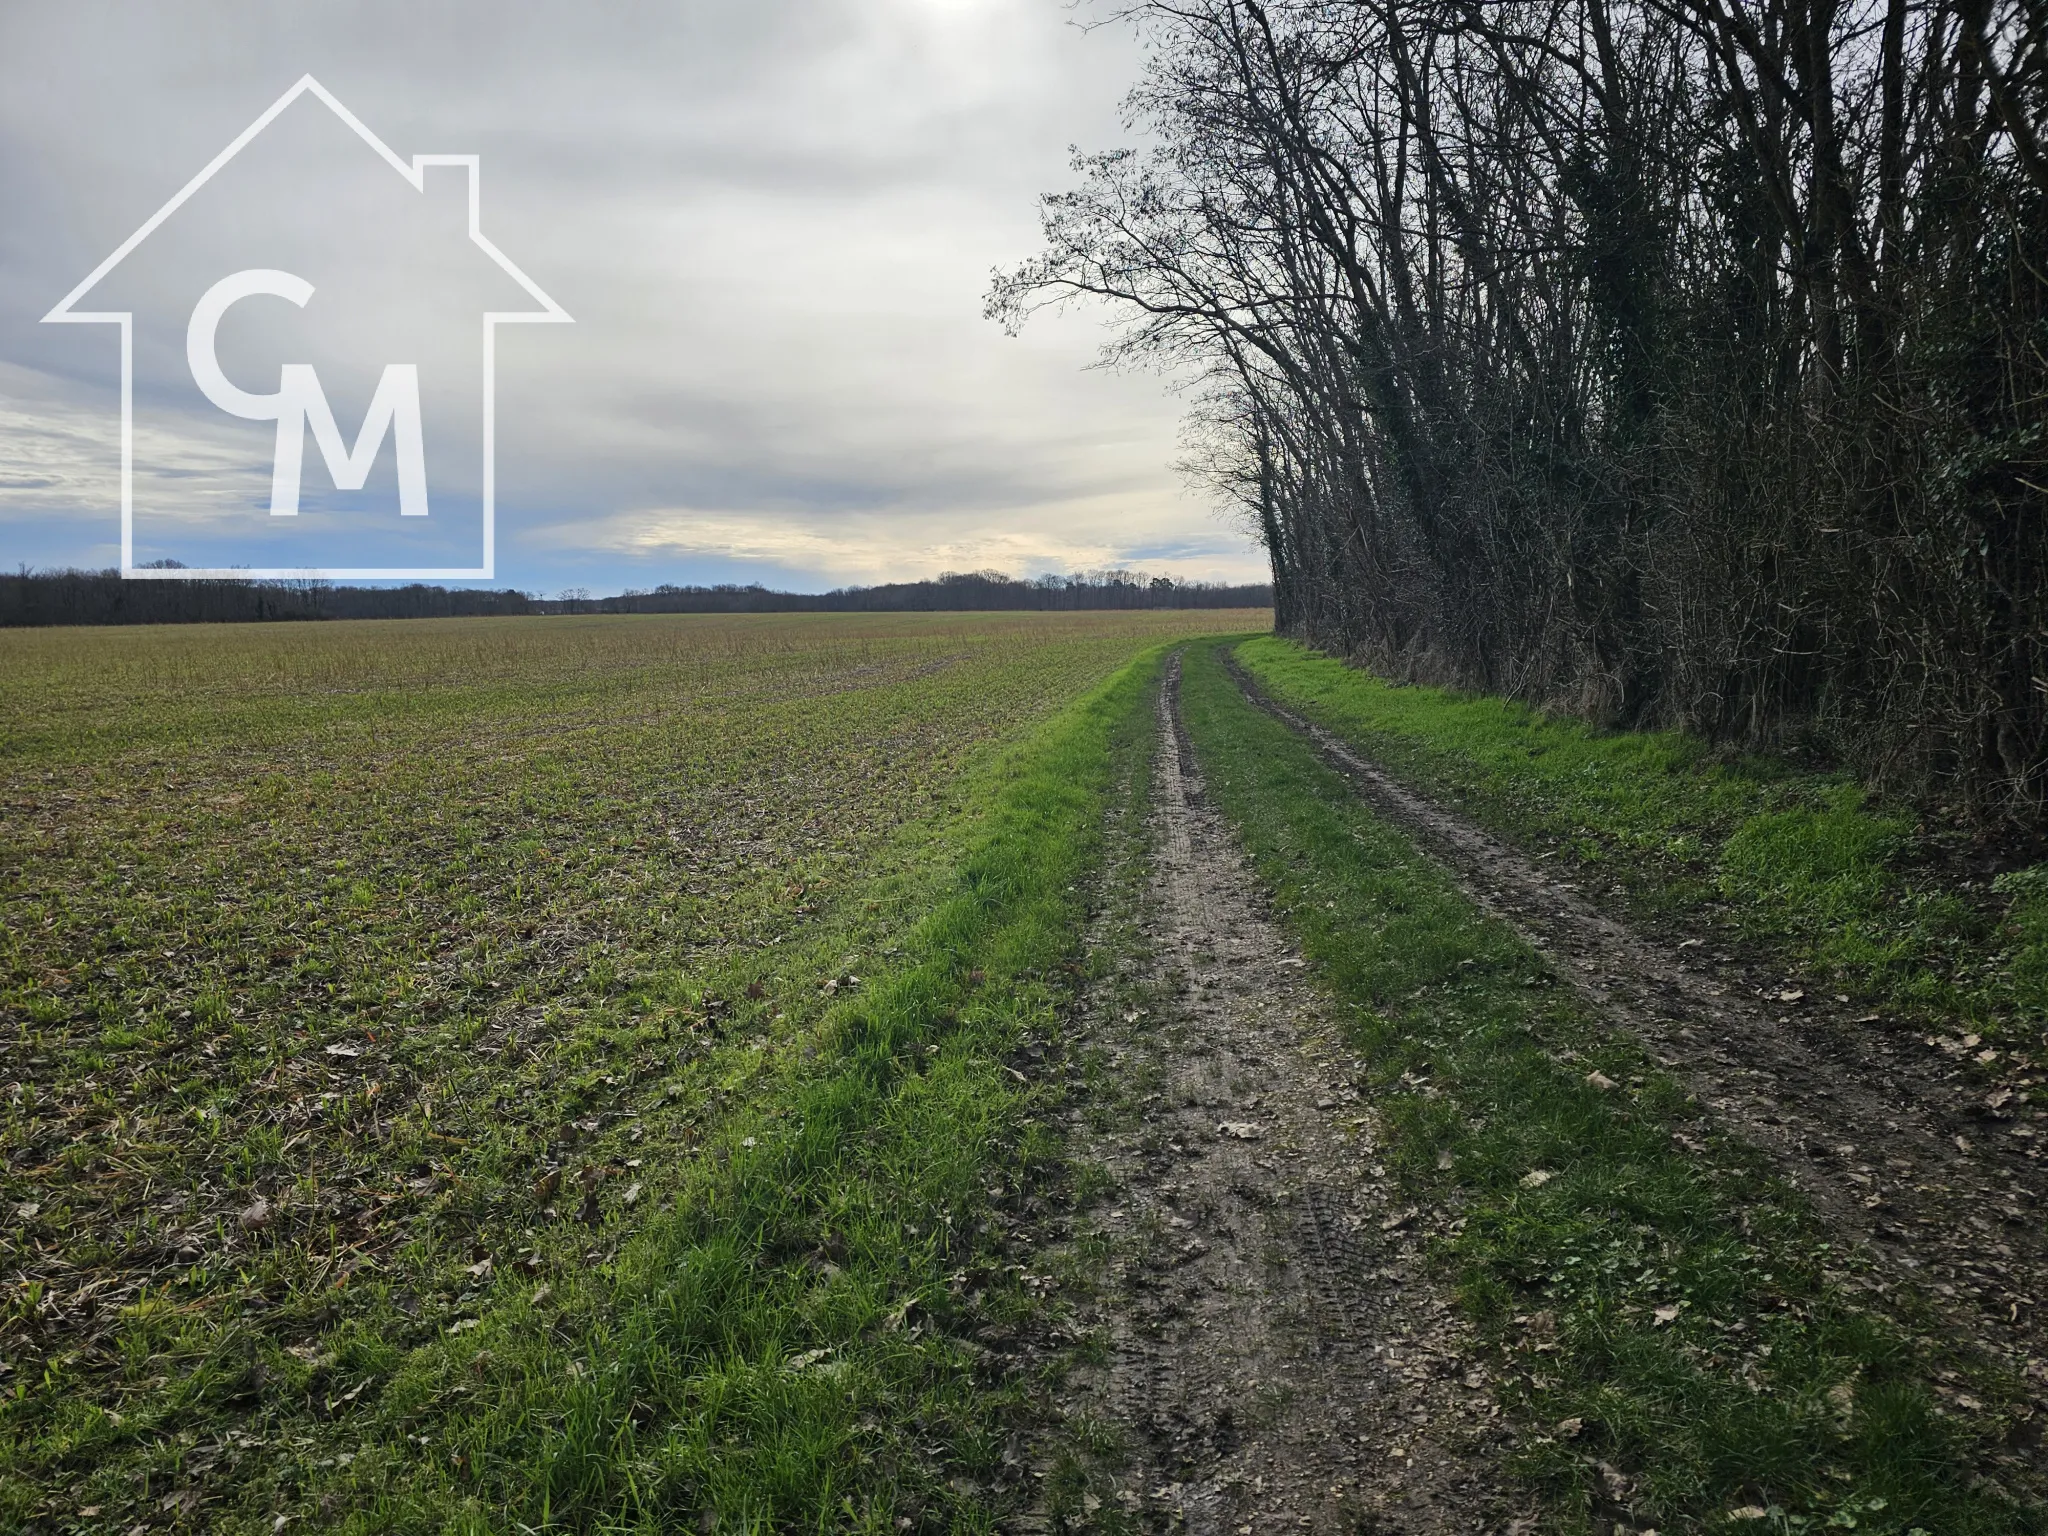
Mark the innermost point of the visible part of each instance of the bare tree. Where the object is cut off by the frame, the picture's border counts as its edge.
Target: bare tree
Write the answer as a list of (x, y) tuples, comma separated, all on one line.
[(1670, 360)]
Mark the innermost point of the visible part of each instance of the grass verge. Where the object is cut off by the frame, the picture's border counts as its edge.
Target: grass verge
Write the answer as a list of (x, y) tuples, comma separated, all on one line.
[(1804, 864), (1668, 1320)]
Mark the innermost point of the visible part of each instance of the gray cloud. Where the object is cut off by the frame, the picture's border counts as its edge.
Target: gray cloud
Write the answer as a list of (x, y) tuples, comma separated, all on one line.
[(773, 222)]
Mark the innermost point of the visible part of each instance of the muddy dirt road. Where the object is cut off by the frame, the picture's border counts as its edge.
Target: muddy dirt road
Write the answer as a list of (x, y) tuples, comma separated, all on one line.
[(1282, 1359), (1933, 1178)]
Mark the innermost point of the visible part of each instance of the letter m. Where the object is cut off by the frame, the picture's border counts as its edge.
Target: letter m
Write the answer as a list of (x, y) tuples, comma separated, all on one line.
[(394, 408)]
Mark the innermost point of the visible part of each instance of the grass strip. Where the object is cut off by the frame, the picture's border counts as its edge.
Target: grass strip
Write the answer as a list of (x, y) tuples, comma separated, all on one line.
[(1804, 863), (785, 1344), (1668, 1321)]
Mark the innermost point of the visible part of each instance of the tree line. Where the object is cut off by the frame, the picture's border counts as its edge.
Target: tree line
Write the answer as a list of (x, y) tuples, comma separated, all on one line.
[(103, 597), (1673, 361)]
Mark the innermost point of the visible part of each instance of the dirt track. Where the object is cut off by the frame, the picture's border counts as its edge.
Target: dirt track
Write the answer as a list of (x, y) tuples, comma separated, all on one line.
[(1281, 1359), (1898, 1150)]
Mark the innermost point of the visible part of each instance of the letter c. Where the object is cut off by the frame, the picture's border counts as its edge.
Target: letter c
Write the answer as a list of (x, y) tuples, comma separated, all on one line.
[(199, 355)]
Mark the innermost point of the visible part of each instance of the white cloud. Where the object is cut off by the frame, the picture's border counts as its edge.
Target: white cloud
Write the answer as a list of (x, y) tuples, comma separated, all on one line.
[(899, 544), (773, 223)]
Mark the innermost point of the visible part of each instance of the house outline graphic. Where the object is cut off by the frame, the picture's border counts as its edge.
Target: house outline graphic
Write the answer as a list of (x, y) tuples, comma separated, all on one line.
[(549, 313)]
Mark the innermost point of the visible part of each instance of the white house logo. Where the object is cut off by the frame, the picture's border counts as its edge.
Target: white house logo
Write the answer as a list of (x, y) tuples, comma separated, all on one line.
[(247, 297)]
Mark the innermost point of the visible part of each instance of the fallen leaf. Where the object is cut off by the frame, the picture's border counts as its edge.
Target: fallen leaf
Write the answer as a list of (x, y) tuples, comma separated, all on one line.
[(1842, 1398), (481, 1270), (255, 1217), (541, 1297), (1568, 1428), (1749, 1512), (464, 1324), (632, 1195), (1238, 1130), (344, 1050), (755, 991), (545, 1186), (1536, 1178), (1601, 1081), (1666, 1315)]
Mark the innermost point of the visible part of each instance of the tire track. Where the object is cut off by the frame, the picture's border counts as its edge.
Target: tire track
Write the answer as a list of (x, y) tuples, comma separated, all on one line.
[(1280, 1355), (1927, 1182)]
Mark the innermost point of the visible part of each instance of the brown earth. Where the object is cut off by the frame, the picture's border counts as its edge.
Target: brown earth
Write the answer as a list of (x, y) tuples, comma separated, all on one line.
[(1281, 1357)]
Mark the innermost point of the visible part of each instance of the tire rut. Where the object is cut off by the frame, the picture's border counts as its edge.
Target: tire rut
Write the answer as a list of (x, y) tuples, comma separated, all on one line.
[(1281, 1357), (1932, 1186)]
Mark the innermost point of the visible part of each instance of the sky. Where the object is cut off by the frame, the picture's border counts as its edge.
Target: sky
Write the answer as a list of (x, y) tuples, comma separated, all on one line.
[(772, 223)]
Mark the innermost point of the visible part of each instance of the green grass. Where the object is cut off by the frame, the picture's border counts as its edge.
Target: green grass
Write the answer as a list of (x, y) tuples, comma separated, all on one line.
[(1656, 1300), (1802, 865), (382, 978)]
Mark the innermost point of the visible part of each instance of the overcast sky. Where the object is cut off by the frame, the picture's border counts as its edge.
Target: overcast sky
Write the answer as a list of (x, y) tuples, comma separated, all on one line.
[(772, 221)]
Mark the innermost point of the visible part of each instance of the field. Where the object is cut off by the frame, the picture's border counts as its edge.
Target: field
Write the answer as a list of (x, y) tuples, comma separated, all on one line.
[(360, 976), (956, 1073)]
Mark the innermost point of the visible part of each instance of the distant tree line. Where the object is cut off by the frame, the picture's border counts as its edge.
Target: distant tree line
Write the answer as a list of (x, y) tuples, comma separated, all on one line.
[(976, 590), (1676, 361), (102, 597)]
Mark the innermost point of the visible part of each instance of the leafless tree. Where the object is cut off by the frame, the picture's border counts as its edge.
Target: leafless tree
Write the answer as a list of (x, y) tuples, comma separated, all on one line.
[(1670, 360)]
